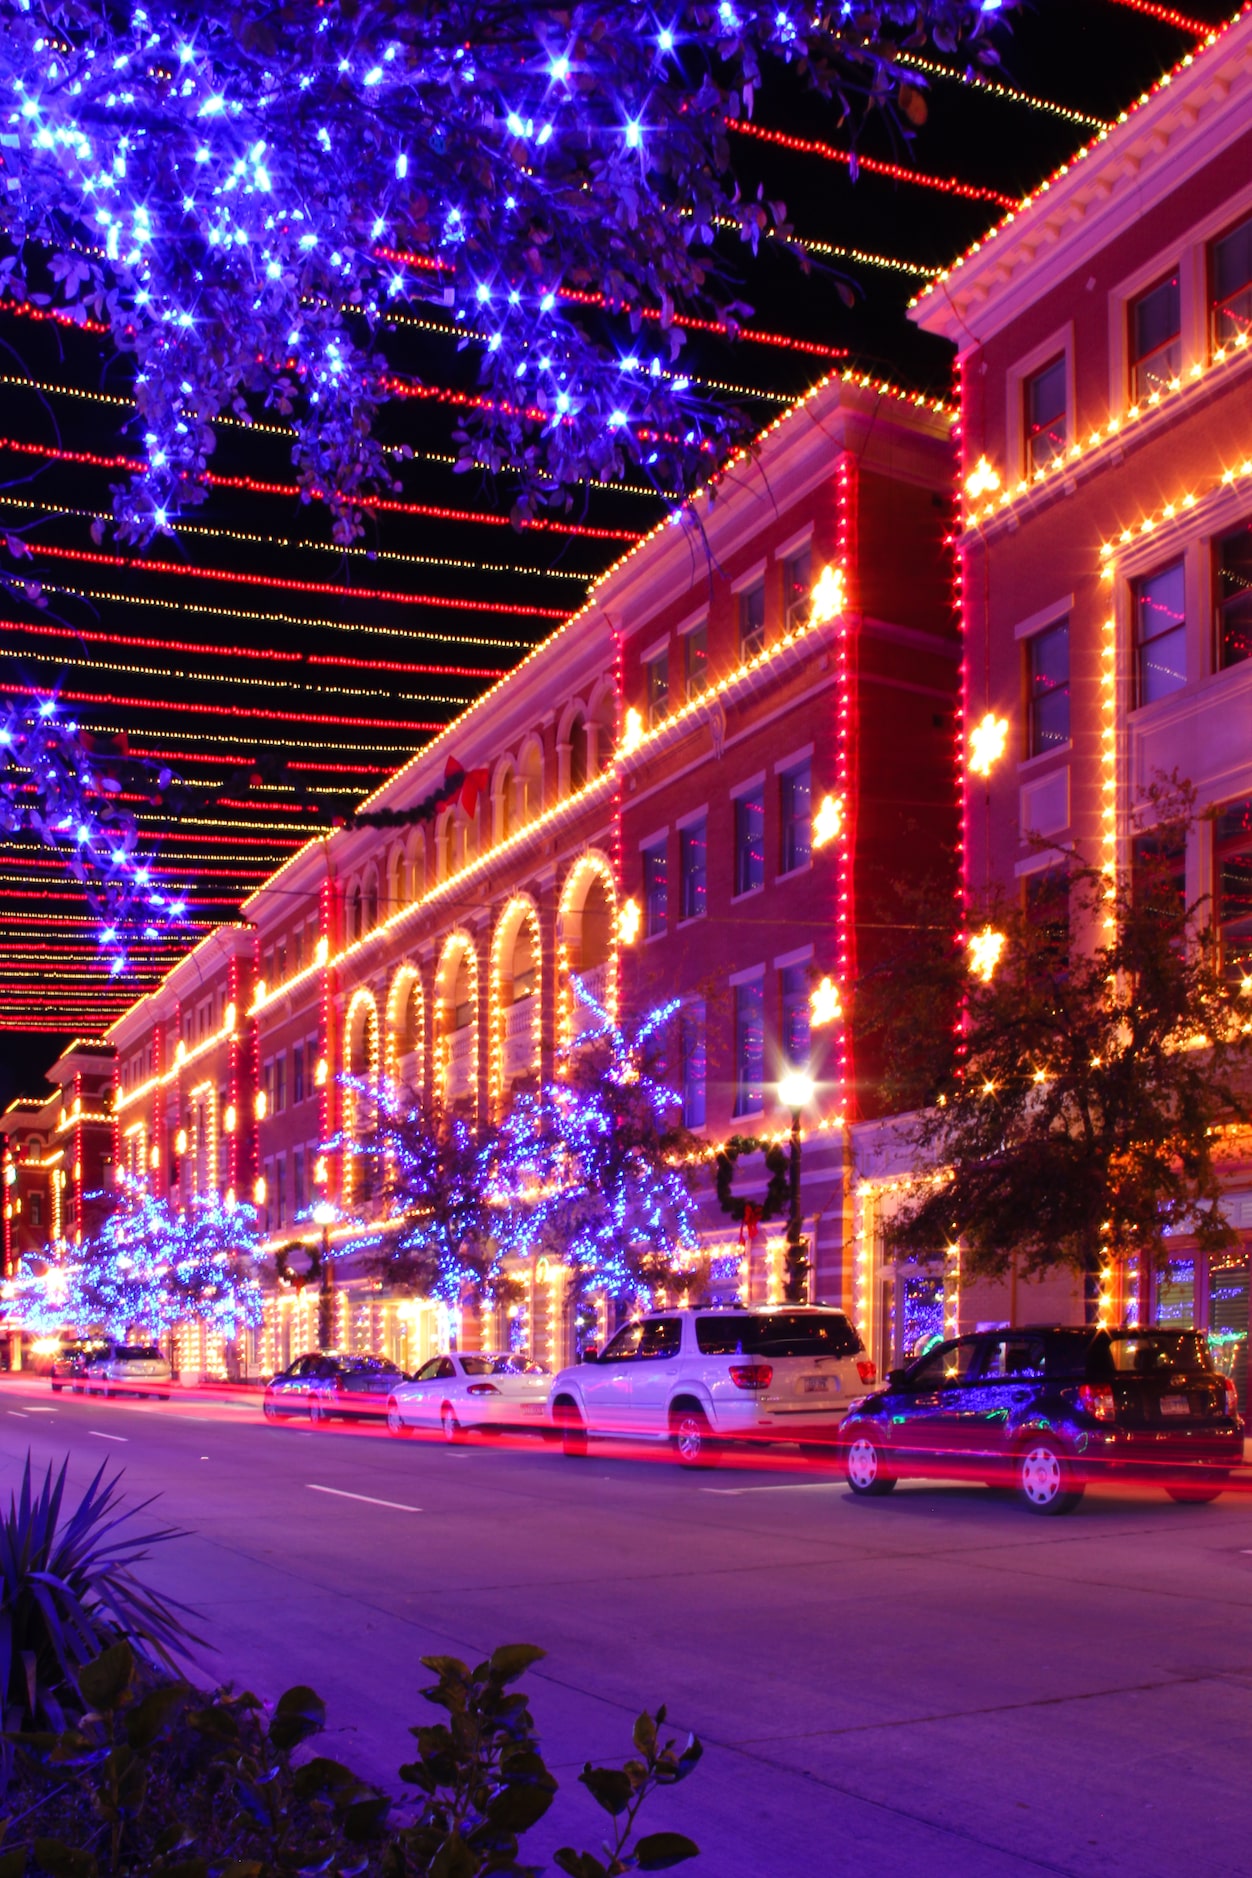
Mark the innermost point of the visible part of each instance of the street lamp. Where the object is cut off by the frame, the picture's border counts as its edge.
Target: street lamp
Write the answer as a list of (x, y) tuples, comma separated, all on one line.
[(795, 1092), (325, 1216)]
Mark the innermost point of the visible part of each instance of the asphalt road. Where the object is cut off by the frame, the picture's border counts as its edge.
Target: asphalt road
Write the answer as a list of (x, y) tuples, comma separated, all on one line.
[(934, 1683)]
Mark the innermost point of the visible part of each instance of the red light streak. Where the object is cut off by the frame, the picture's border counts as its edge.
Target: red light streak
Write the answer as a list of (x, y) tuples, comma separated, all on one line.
[(224, 710), (873, 166), (131, 641), (1168, 16)]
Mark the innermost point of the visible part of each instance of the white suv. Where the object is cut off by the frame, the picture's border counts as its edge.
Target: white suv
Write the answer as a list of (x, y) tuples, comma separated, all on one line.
[(697, 1378)]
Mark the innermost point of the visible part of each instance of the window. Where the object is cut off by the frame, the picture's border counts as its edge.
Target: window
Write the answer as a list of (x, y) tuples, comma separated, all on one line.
[(624, 1347), (693, 855), (657, 673), (795, 793), (1160, 634), (297, 1074), (34, 1208), (267, 1077), (299, 1192), (949, 1363), (662, 1336), (1004, 1358), (793, 987), (1232, 857), (779, 1334), (1232, 284), (750, 840), (797, 581), (1046, 422), (655, 888), (694, 1064), (1159, 871), (1047, 698), (749, 1046), (1234, 596), (1155, 339), (696, 659), (1047, 904), (280, 1191), (752, 621), (280, 1084)]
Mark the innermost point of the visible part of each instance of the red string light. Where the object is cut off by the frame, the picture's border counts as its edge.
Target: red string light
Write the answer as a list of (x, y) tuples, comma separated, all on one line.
[(131, 641), (873, 166), (24, 310), (227, 761), (1199, 28), (250, 485), (226, 710), (137, 565)]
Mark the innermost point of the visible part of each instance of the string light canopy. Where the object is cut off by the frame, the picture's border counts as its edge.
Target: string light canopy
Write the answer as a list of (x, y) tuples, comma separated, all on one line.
[(239, 169)]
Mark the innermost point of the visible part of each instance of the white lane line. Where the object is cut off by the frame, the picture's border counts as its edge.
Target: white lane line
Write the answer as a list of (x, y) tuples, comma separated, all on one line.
[(21, 1416), (36, 1411), (795, 1486), (103, 1437), (341, 1494)]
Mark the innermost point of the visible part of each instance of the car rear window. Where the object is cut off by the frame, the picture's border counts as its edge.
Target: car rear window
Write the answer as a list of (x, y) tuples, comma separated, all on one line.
[(778, 1333), (370, 1366), (138, 1353), (1157, 1352)]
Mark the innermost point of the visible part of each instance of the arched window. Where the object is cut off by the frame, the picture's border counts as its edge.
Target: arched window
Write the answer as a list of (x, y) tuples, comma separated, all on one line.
[(371, 903), (395, 881), (504, 801), (577, 754), (599, 732), (356, 916), (417, 864), (524, 965), (530, 782)]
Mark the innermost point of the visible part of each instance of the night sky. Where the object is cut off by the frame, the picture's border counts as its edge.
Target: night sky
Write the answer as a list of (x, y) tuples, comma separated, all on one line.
[(283, 678)]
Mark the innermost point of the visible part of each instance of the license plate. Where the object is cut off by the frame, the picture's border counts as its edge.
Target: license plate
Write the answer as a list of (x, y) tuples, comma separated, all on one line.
[(813, 1385), (1175, 1405)]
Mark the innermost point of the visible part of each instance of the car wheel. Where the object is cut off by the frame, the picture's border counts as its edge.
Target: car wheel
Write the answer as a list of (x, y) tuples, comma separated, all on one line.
[(162, 1398), (866, 1468), (692, 1438), (452, 1429), (573, 1429), (1045, 1477), (396, 1424), (317, 1411), (109, 1394), (56, 1388), (1196, 1496), (269, 1408)]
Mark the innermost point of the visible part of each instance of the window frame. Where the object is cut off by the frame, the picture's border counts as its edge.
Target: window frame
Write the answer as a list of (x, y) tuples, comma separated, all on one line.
[(1140, 394), (785, 773), (1180, 631), (1059, 342), (752, 981), (655, 846), (1058, 623), (691, 825)]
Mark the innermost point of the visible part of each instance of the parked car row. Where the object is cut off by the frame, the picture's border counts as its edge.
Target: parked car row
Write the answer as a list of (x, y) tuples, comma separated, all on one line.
[(100, 1366)]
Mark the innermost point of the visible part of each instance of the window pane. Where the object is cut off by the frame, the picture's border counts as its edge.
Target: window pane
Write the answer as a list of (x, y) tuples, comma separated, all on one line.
[(658, 687), (794, 1001), (694, 1064), (655, 888), (696, 655), (752, 620), (750, 841), (1160, 633), (1232, 842), (1156, 349), (1048, 703), (797, 580), (1046, 432), (693, 860), (795, 800), (1232, 284), (1234, 593), (749, 1046)]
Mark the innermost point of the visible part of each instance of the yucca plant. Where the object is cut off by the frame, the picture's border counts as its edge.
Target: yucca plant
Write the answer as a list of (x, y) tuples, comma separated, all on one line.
[(68, 1591)]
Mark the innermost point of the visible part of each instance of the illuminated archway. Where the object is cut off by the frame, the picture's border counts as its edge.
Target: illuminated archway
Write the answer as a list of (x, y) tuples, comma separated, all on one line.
[(405, 1027), (361, 1071), (455, 1013), (587, 940), (515, 985)]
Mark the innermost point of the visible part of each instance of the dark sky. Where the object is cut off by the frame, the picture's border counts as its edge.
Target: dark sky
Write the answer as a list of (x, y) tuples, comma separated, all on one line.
[(280, 706)]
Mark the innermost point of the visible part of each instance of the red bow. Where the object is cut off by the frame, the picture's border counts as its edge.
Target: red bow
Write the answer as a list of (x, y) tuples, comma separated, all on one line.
[(750, 1224)]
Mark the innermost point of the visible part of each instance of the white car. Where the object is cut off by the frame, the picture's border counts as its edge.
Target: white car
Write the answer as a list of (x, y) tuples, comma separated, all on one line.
[(471, 1389), (128, 1369), (703, 1378)]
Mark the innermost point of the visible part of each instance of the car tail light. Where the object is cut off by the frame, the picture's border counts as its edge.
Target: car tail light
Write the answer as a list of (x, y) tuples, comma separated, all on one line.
[(752, 1375), (866, 1369), (1232, 1395), (483, 1388), (1098, 1400)]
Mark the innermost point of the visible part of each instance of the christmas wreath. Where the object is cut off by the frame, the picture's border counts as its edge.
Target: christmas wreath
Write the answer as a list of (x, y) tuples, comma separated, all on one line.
[(298, 1280), (750, 1213)]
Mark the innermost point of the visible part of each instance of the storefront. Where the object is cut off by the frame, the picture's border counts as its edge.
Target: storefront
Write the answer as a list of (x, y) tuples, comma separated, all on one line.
[(1209, 1291)]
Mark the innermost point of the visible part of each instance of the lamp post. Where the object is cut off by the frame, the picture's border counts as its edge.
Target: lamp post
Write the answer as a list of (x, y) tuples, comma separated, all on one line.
[(325, 1215), (795, 1092)]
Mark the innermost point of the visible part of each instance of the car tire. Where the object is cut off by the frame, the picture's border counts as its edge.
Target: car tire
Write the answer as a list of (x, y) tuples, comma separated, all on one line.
[(396, 1424), (1046, 1482), (453, 1433), (1197, 1495), (269, 1409), (866, 1470), (317, 1411), (56, 1388), (162, 1398), (571, 1427), (692, 1438)]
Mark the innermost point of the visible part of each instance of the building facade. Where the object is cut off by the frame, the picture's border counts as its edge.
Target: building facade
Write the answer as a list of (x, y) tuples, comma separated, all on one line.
[(1104, 341)]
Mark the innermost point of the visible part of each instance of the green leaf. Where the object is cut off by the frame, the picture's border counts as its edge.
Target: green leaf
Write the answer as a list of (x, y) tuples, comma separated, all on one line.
[(454, 1859), (364, 1819), (105, 1681), (513, 1660), (187, 1868), (659, 1850), (145, 1723), (689, 1759), (243, 1868), (579, 1864), (608, 1787), (63, 1861), (517, 1808), (13, 1864), (644, 1734), (322, 1775), (300, 1713)]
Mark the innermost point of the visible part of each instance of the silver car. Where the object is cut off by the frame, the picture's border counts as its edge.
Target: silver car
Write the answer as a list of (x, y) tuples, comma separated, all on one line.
[(487, 1389), (129, 1369)]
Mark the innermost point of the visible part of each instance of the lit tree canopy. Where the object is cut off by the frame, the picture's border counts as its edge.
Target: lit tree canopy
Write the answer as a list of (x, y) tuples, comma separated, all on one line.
[(597, 1162), (1082, 1106), (239, 193)]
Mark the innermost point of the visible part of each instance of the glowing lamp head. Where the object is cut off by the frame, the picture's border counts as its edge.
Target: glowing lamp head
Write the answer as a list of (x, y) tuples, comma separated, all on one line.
[(795, 1090), (180, 1141), (632, 731), (260, 1105), (258, 1190), (629, 923), (983, 480), (230, 1118), (984, 950), (324, 1213), (988, 741), (827, 600), (828, 821), (825, 1006)]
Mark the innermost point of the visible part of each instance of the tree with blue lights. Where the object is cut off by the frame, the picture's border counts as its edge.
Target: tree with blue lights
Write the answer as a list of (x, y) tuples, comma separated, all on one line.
[(241, 194), (152, 1266), (597, 1166)]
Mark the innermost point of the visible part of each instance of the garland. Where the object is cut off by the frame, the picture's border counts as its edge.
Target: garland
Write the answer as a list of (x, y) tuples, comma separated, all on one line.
[(750, 1213), (467, 784), (298, 1280)]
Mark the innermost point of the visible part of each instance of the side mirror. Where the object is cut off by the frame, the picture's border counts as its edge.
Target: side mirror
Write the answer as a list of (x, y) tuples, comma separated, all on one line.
[(591, 1354), (897, 1379)]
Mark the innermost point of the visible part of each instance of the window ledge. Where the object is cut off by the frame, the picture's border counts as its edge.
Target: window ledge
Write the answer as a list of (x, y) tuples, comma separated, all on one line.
[(749, 893), (651, 938), (794, 873), (743, 1115), (692, 919), (1030, 765)]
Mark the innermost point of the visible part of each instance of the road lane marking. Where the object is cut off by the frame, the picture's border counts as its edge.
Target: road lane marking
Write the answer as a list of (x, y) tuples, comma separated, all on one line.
[(19, 1413), (103, 1437), (341, 1493), (36, 1411), (794, 1486)]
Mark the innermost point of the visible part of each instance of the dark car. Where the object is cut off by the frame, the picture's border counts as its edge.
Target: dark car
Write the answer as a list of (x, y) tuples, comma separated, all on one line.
[(1049, 1410), (330, 1383), (68, 1367)]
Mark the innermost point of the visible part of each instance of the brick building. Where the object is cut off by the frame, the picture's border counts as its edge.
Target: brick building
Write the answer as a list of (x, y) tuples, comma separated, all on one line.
[(1106, 388), (58, 1155)]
